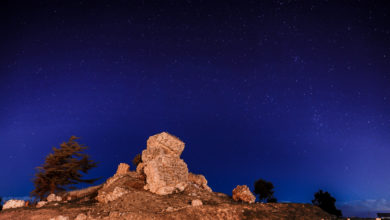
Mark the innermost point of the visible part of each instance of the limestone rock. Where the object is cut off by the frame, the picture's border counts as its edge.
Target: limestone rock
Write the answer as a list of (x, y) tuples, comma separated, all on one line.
[(199, 180), (123, 168), (53, 198), (13, 203), (60, 217), (81, 216), (244, 194), (41, 204), (111, 196), (196, 202), (165, 172)]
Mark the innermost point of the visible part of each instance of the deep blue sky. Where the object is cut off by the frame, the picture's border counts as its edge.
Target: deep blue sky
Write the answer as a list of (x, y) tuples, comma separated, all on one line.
[(295, 92)]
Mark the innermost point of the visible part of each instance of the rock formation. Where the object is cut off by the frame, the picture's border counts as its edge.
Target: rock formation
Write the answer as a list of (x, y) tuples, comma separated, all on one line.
[(13, 203), (199, 180), (128, 180), (244, 194), (165, 172)]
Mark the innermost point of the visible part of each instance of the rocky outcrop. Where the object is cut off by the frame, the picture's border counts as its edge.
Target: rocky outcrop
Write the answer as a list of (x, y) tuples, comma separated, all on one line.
[(13, 203), (242, 193), (165, 172), (119, 184), (199, 180)]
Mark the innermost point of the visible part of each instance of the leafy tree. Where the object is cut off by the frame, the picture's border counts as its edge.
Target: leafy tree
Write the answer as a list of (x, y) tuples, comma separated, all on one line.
[(265, 190), (137, 159), (61, 170), (326, 202), (1, 203)]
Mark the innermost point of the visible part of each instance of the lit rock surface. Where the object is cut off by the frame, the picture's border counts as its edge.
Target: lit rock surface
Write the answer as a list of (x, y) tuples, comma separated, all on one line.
[(165, 172), (196, 202), (199, 180), (13, 203), (123, 168), (242, 193), (53, 198), (41, 204)]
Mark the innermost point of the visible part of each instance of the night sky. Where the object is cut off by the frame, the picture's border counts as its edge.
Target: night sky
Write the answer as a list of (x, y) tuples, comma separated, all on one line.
[(294, 92)]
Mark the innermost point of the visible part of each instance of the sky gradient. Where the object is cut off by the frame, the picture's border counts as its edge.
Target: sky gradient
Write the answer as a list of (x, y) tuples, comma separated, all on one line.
[(294, 92)]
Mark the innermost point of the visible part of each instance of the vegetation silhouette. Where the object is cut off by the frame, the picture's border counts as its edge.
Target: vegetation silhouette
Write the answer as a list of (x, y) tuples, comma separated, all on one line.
[(264, 190), (61, 170), (1, 203), (326, 202), (137, 160)]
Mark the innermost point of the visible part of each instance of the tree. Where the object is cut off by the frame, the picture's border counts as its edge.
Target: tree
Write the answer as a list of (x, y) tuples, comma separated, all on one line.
[(137, 159), (265, 190), (326, 202), (1, 205), (61, 170)]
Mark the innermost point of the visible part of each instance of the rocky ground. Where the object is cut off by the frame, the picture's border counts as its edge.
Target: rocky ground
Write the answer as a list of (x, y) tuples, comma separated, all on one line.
[(161, 188), (137, 203)]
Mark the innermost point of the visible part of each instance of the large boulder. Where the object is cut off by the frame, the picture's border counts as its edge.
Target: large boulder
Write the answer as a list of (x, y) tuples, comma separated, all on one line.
[(165, 172), (13, 203), (242, 193)]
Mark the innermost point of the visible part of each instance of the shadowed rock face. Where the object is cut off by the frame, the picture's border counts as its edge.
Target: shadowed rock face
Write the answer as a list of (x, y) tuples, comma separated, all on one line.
[(165, 172)]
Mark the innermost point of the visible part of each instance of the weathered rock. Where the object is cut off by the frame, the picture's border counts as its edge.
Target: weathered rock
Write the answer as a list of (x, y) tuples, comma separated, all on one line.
[(13, 203), (199, 180), (41, 204), (123, 168), (60, 217), (165, 172), (196, 202), (54, 198), (81, 216), (104, 197), (244, 194)]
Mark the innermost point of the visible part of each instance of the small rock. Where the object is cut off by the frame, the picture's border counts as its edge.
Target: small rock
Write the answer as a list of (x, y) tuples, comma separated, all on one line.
[(13, 203), (54, 198), (196, 202), (170, 209), (60, 217), (41, 204), (199, 181), (108, 197), (123, 168), (81, 216), (244, 194)]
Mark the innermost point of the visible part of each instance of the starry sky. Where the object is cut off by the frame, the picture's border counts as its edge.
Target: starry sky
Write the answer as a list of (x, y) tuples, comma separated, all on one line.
[(294, 92)]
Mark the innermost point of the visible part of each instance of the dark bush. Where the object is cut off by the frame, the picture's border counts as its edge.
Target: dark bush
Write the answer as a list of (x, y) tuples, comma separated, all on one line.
[(264, 190), (326, 202), (137, 159)]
